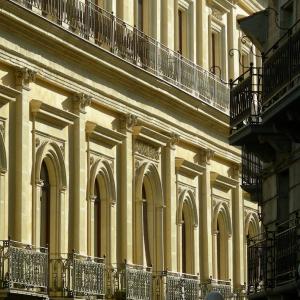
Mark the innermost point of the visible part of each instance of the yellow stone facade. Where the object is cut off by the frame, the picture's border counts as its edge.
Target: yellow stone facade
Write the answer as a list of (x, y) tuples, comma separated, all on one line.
[(103, 155)]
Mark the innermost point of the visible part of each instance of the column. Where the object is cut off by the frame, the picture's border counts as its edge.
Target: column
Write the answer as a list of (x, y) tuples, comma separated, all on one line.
[(170, 211), (23, 161), (233, 43), (202, 50), (80, 101), (126, 179), (205, 238), (3, 207), (167, 23), (125, 11), (238, 231), (154, 19), (215, 254)]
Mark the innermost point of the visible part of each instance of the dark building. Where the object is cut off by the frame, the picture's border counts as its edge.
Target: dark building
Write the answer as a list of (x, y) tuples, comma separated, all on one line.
[(265, 123)]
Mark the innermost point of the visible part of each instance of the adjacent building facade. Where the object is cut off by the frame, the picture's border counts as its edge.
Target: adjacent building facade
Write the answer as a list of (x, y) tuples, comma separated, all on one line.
[(117, 180), (265, 122)]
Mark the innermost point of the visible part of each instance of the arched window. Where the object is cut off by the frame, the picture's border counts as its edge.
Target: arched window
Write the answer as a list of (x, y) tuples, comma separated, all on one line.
[(146, 246), (222, 249), (97, 221), (183, 246), (45, 207)]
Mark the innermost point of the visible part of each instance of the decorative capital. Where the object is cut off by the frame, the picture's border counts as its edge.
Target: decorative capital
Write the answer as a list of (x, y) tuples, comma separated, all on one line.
[(206, 156), (175, 138), (235, 171), (24, 77), (129, 121), (81, 101)]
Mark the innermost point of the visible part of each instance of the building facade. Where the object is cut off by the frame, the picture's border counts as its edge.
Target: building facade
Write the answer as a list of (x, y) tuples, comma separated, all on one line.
[(265, 122), (117, 180)]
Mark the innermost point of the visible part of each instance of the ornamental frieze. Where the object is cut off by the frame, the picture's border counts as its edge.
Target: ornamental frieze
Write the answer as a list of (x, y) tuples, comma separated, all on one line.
[(146, 150)]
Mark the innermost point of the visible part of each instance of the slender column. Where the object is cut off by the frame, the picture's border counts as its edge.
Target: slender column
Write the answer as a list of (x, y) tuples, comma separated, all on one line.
[(233, 43), (179, 247), (154, 9), (3, 207), (63, 232), (206, 268), (202, 57), (125, 251), (215, 254), (23, 163), (170, 211), (230, 258), (167, 23), (196, 251), (80, 101), (238, 232), (112, 237)]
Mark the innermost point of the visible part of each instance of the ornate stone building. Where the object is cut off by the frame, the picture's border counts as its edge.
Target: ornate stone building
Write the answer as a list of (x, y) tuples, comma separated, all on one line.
[(117, 179)]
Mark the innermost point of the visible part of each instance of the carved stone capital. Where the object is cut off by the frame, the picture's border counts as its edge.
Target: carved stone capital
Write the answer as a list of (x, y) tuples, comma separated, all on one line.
[(24, 77), (128, 122), (175, 138), (235, 171), (206, 156), (80, 102)]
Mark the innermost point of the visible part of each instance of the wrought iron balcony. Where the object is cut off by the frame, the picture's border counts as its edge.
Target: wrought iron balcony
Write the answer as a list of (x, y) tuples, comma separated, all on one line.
[(132, 282), (251, 175), (245, 98), (274, 257), (96, 25), (77, 276), (286, 250), (224, 287), (180, 285), (23, 268), (281, 66)]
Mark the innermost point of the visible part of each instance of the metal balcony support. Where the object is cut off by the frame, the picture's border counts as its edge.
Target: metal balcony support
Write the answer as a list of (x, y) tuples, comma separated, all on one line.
[(96, 25), (75, 275), (23, 268)]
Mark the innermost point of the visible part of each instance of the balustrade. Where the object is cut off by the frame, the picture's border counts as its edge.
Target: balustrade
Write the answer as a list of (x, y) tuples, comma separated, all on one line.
[(132, 282), (77, 275), (110, 33), (23, 267)]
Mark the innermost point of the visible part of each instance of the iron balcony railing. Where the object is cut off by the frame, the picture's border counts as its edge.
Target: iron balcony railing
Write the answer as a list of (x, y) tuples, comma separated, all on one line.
[(112, 34), (224, 287), (132, 282), (286, 250), (23, 267), (281, 65), (252, 174), (245, 98), (260, 262), (75, 275), (179, 285)]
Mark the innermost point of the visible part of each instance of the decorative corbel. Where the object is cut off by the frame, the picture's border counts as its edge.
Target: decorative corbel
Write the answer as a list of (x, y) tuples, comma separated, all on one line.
[(24, 77), (128, 122), (206, 156), (80, 102)]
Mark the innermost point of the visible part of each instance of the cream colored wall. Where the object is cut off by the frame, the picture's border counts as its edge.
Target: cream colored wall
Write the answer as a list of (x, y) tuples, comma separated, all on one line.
[(120, 99)]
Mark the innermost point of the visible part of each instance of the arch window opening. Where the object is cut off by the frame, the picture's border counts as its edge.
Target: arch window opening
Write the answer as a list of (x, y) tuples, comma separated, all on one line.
[(222, 250), (97, 221), (184, 252), (45, 207), (146, 245)]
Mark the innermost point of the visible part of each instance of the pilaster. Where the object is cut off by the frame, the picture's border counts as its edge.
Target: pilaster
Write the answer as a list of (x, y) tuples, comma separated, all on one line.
[(125, 11), (202, 50), (126, 190), (167, 23), (170, 198), (206, 267), (80, 102), (23, 161), (238, 262)]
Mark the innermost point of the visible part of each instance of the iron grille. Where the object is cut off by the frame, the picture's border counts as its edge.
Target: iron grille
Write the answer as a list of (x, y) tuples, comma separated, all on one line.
[(23, 267), (75, 275)]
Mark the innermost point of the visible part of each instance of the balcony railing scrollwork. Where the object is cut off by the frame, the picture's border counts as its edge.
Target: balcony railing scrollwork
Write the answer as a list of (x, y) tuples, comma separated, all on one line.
[(132, 282), (77, 275), (180, 285), (23, 267), (224, 287), (245, 98), (112, 34)]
